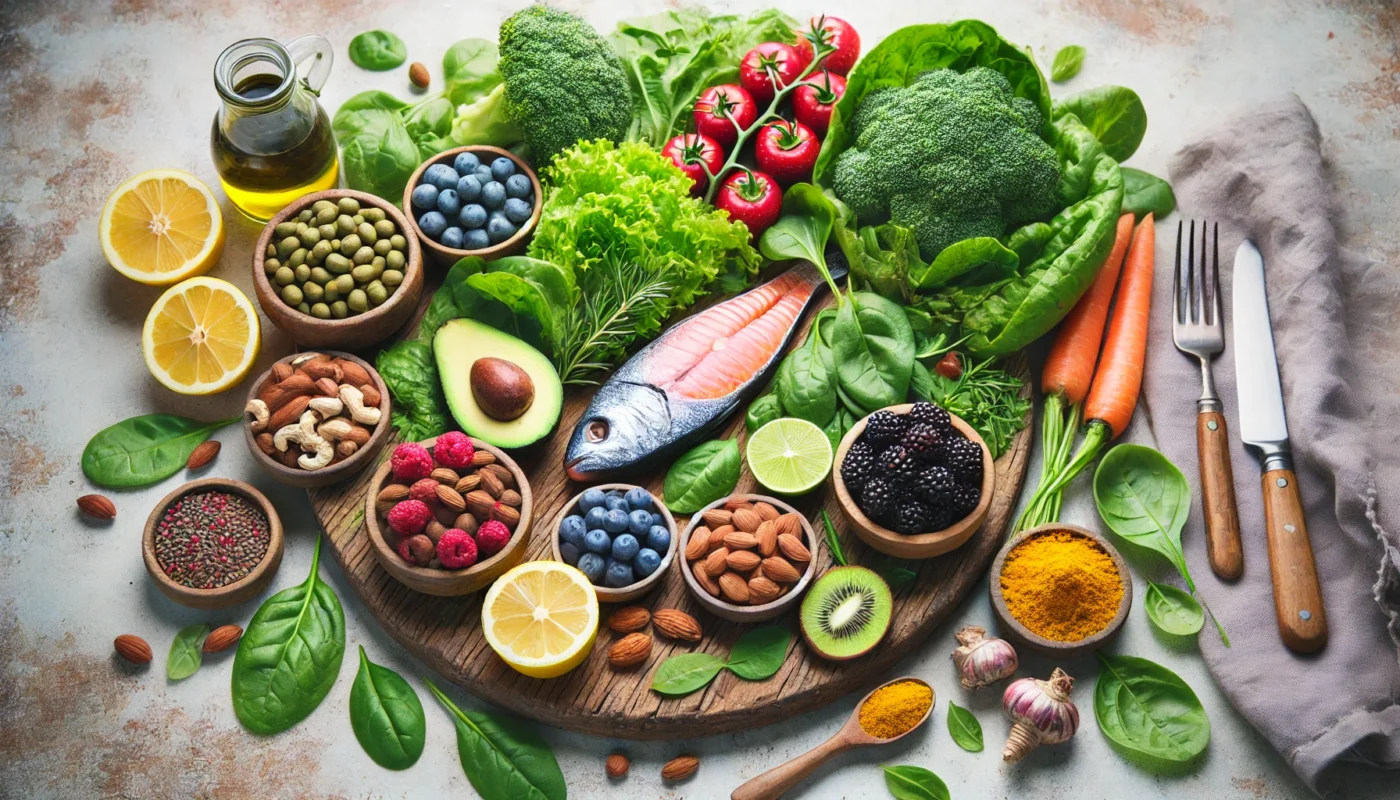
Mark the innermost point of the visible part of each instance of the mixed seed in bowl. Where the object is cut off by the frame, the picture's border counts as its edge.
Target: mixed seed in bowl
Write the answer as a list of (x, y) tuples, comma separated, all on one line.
[(337, 260)]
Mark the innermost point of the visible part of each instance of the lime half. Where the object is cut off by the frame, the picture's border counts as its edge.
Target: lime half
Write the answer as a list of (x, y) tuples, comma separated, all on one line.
[(789, 456)]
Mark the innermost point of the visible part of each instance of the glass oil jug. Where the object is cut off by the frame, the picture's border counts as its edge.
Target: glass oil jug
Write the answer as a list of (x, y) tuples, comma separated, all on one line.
[(272, 141)]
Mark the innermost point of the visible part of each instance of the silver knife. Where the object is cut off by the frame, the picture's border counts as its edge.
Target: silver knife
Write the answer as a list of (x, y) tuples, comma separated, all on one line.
[(1297, 592)]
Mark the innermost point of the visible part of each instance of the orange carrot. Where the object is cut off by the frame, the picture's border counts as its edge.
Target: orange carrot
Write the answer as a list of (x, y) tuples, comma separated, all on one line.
[(1070, 365), (1114, 393)]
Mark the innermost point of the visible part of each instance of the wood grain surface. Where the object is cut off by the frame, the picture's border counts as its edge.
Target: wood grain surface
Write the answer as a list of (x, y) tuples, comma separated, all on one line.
[(1302, 622), (1223, 544)]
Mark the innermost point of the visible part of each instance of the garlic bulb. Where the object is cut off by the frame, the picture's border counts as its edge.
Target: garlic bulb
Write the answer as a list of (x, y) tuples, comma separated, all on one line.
[(1042, 712), (982, 661)]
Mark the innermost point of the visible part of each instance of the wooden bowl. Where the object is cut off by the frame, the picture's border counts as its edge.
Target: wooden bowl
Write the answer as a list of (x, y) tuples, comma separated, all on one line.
[(310, 479), (737, 613), (247, 587), (445, 582), (351, 333), (1050, 647), (447, 256), (607, 594), (920, 545)]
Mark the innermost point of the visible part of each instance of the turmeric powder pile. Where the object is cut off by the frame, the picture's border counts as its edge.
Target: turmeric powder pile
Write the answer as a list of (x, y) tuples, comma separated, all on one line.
[(1061, 586), (895, 709)]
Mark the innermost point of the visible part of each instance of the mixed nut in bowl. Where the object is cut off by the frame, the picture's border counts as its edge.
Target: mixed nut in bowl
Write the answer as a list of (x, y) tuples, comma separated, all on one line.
[(748, 557), (620, 536), (338, 268), (315, 418), (473, 201), (447, 516)]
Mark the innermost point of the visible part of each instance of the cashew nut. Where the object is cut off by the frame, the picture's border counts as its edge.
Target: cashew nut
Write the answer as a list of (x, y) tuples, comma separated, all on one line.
[(260, 413), (335, 429), (306, 358), (326, 407), (354, 401), (346, 449), (303, 433)]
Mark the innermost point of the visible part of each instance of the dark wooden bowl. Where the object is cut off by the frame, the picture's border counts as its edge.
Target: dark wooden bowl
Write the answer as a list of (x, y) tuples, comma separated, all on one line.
[(450, 582), (246, 588), (310, 479), (1022, 635), (447, 256), (607, 594), (351, 333), (919, 545), (737, 613)]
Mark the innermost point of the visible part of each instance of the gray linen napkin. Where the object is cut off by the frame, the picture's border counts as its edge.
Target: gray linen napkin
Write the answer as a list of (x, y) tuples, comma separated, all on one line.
[(1262, 176)]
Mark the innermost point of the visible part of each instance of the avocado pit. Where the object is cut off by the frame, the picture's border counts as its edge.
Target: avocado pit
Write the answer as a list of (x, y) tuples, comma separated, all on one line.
[(501, 388)]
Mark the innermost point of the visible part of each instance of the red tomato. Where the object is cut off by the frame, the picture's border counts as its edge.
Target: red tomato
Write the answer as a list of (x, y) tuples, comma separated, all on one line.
[(949, 366), (715, 107), (787, 151), (812, 104), (688, 151), (752, 198), (832, 32), (763, 64)]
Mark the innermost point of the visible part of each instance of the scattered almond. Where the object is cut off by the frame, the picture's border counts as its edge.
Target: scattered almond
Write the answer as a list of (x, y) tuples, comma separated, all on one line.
[(780, 570), (747, 520), (716, 517), (445, 476), (418, 74), (133, 648), (222, 638), (450, 499), (793, 548), (202, 455), (617, 765), (629, 651), (766, 510), (762, 590), (738, 540), (743, 560), (680, 768), (97, 507), (717, 562), (629, 619), (767, 537), (698, 545), (734, 587), (674, 624)]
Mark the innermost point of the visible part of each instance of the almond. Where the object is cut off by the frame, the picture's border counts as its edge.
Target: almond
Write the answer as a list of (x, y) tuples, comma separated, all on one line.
[(222, 638), (480, 503), (491, 484), (481, 458), (716, 517), (466, 522), (289, 412), (762, 590), (280, 372), (371, 395), (435, 529), (747, 520), (467, 483), (265, 443), (629, 651), (793, 548), (506, 515), (778, 569), (706, 582), (675, 624), (717, 562), (617, 765), (500, 471), (202, 455), (767, 537), (734, 587), (97, 507), (736, 503), (445, 476), (629, 619), (743, 560), (766, 510), (789, 523), (418, 74), (321, 369), (358, 434), (296, 385), (698, 545), (133, 648), (450, 499), (680, 768), (511, 498), (717, 536), (392, 493), (352, 373), (327, 387), (738, 540)]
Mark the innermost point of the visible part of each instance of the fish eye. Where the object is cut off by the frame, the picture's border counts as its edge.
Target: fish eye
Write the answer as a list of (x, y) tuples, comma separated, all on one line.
[(596, 431)]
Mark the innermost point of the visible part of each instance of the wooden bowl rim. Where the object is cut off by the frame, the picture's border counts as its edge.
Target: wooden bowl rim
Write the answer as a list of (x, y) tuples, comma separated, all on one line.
[(608, 594), (1051, 646), (275, 540), (336, 472), (772, 607), (388, 556), (344, 326), (452, 254), (963, 528)]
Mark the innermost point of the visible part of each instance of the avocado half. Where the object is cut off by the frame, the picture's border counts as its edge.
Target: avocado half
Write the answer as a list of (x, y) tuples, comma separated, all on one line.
[(512, 398)]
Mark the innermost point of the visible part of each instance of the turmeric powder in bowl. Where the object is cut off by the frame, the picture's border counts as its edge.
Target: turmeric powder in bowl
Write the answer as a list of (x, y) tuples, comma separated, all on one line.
[(895, 709), (1062, 586)]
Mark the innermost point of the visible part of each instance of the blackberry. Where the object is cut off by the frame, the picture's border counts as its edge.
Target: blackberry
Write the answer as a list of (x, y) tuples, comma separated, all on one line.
[(930, 414), (964, 460), (935, 484), (884, 427), (913, 516), (940, 518), (922, 440), (898, 463), (858, 466), (963, 500), (877, 498)]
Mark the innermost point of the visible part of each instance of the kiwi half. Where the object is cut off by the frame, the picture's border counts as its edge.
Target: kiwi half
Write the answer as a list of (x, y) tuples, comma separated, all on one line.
[(846, 613)]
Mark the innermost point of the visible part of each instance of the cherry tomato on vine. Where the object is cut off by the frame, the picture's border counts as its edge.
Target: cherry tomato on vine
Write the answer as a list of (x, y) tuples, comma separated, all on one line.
[(949, 366), (715, 107), (752, 198), (787, 151), (812, 105), (761, 65), (686, 149), (832, 32)]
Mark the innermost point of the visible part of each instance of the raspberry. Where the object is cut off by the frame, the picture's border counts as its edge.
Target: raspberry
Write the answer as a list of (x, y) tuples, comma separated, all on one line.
[(492, 537), (454, 450), (411, 462), (416, 550), (424, 490), (456, 549), (408, 517)]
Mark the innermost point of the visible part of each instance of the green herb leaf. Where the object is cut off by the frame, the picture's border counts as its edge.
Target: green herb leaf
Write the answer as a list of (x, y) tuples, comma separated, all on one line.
[(964, 728), (897, 572), (289, 657), (762, 411), (1114, 114), (833, 543), (1144, 498), (703, 475), (469, 69), (377, 51), (759, 654), (186, 652), (874, 350), (386, 715), (1173, 610), (1147, 709), (503, 758), (683, 674), (1144, 192), (1067, 63), (914, 783), (142, 450)]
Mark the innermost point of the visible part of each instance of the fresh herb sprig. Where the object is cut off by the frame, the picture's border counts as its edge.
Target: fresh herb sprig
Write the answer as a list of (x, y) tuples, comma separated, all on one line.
[(989, 399), (603, 321)]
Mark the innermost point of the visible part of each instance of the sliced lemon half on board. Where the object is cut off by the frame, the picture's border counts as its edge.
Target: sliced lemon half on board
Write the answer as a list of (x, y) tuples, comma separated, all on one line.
[(201, 336), (541, 618), (161, 227)]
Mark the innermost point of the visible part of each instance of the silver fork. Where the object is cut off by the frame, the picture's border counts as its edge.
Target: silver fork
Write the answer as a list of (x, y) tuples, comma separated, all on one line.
[(1198, 330)]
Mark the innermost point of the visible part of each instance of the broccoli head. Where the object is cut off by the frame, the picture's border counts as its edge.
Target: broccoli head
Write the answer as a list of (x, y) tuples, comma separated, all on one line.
[(952, 156), (563, 82)]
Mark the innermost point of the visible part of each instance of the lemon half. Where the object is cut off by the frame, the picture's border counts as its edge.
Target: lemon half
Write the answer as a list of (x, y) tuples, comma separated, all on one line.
[(202, 336), (541, 618), (161, 227)]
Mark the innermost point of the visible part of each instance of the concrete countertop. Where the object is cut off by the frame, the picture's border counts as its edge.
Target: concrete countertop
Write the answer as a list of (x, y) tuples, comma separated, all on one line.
[(93, 92)]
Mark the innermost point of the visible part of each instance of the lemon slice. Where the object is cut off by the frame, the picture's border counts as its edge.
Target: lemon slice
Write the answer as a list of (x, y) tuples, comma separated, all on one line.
[(161, 227), (789, 456), (541, 618), (201, 336)]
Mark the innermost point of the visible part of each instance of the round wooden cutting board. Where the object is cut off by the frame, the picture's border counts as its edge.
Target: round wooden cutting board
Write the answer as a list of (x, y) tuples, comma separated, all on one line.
[(598, 700)]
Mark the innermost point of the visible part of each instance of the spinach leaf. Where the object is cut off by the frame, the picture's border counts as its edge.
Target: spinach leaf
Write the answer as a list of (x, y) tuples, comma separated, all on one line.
[(503, 759), (1147, 709), (1144, 192), (874, 349), (841, 423), (805, 382), (802, 231), (964, 728), (386, 715), (1115, 115), (701, 476), (469, 69), (376, 150), (762, 411), (377, 50), (685, 673), (186, 652), (897, 572), (1172, 610), (142, 450), (410, 371), (914, 783), (833, 543), (759, 654), (289, 657), (1067, 63), (1144, 498), (962, 257)]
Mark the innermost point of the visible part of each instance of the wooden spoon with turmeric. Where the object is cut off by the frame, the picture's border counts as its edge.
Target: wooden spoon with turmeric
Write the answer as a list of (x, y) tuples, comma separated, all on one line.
[(887, 714)]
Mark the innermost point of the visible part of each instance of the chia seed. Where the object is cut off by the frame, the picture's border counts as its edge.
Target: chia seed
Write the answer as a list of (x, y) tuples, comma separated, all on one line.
[(206, 540)]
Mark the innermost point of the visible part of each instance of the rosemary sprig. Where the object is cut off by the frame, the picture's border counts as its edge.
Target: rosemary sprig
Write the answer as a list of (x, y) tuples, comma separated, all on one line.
[(603, 322)]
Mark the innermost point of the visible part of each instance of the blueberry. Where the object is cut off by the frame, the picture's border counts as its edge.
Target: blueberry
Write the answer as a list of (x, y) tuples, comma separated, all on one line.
[(499, 229), (472, 216), (517, 210), (433, 224), (639, 498), (646, 562), (502, 168), (441, 176), (659, 538), (615, 521), (519, 186), (465, 163), (597, 541), (591, 499), (449, 203), (468, 188), (493, 195), (593, 517), (483, 174), (625, 547), (476, 239), (452, 237), (619, 575), (638, 522), (572, 529), (425, 196), (592, 566), (657, 519), (569, 553), (612, 501)]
